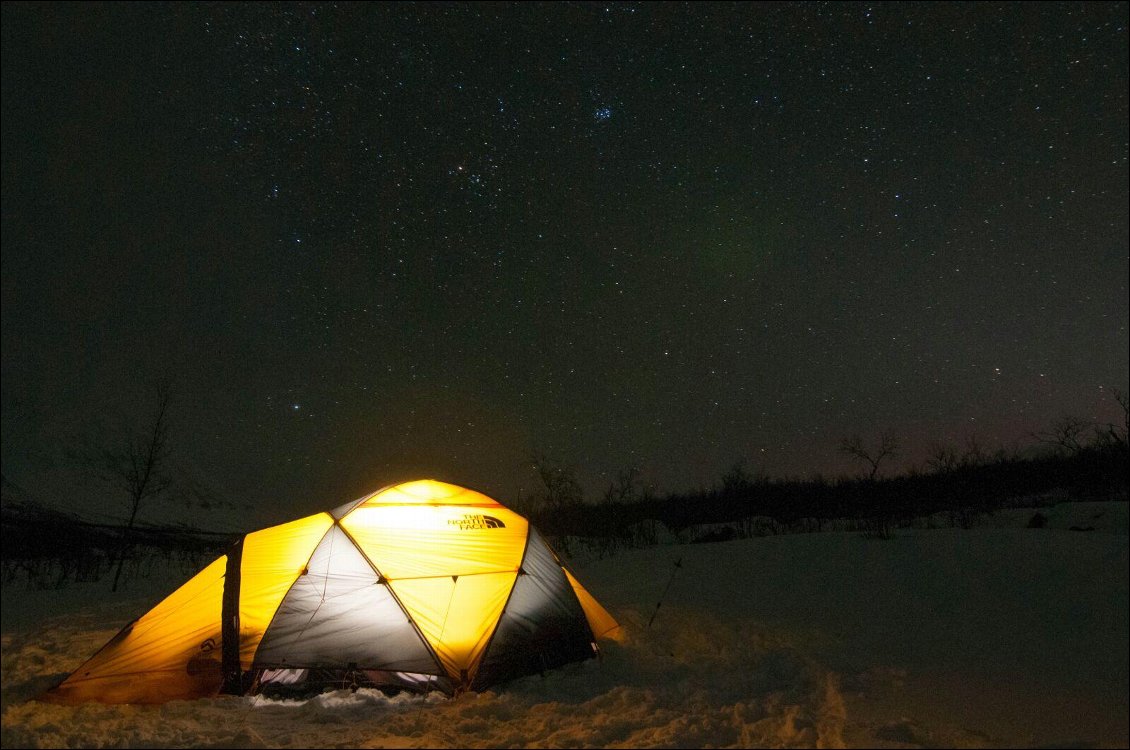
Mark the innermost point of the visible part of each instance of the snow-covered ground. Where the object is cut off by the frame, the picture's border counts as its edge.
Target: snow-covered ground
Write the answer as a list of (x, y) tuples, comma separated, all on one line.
[(998, 636)]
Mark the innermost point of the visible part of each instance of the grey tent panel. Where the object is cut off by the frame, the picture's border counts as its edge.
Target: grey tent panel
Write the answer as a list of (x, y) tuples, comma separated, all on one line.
[(337, 614), (542, 625)]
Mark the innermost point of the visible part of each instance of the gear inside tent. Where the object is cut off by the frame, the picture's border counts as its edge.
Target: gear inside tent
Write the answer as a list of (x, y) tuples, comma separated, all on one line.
[(420, 586)]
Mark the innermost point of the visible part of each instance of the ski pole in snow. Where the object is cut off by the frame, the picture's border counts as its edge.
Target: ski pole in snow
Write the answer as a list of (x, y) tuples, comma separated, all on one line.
[(678, 564)]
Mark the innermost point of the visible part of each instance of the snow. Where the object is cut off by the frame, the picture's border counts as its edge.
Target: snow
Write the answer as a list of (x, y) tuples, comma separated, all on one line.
[(996, 636)]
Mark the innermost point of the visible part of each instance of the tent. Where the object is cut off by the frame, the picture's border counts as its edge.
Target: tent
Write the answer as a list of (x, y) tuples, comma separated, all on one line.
[(419, 586)]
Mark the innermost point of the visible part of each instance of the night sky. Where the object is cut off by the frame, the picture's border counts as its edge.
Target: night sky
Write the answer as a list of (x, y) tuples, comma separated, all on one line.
[(380, 242)]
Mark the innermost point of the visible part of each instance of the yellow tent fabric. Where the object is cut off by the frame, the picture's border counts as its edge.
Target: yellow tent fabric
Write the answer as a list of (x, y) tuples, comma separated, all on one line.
[(272, 559), (172, 652), (602, 624), (428, 541), (423, 584), (457, 616)]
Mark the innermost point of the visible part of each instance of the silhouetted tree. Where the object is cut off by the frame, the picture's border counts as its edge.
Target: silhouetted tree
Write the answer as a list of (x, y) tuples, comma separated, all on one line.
[(1066, 434), (560, 504), (737, 481), (138, 467), (853, 446), (1117, 434), (942, 458), (627, 487), (974, 454), (561, 486)]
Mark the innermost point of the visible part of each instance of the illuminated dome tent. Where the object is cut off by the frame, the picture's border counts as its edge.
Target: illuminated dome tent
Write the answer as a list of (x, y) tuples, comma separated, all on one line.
[(423, 586)]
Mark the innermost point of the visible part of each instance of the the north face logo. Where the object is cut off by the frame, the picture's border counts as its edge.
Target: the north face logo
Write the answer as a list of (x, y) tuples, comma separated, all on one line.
[(477, 521)]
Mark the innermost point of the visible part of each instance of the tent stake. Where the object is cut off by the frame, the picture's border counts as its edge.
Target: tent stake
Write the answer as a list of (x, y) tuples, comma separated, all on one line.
[(678, 564)]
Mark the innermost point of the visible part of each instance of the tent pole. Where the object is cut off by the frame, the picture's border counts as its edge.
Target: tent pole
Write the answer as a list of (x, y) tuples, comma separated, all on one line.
[(678, 564), (229, 639)]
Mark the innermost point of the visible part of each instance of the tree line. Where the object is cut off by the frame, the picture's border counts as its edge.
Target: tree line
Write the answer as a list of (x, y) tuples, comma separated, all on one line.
[(1075, 460), (1072, 460)]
